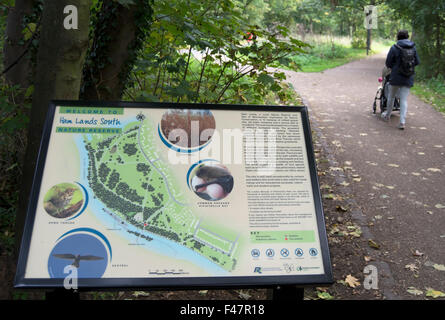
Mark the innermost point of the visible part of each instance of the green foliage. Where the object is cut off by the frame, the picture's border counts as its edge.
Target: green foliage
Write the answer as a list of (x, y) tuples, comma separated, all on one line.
[(13, 123), (432, 91), (200, 53), (7, 225), (427, 18), (359, 39), (103, 26), (12, 117)]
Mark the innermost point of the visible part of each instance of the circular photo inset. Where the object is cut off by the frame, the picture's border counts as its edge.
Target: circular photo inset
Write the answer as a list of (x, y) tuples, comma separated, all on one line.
[(84, 252), (188, 128), (211, 181), (63, 200)]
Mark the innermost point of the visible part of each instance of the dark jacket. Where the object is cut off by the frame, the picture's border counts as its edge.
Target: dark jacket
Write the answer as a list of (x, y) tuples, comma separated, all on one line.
[(393, 61)]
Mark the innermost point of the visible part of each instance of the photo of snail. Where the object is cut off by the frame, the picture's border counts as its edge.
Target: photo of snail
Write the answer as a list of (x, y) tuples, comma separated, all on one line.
[(212, 181)]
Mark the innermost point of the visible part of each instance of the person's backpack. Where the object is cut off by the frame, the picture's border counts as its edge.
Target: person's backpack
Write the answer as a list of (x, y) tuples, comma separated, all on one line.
[(408, 60)]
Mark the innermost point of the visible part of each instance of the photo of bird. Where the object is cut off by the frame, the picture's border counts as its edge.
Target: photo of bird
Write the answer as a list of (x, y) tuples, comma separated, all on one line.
[(77, 258)]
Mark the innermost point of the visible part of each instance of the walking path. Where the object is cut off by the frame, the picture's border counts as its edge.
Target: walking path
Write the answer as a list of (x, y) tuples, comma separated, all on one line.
[(396, 177)]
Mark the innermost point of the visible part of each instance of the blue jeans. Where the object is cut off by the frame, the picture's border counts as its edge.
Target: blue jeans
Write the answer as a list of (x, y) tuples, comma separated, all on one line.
[(403, 93)]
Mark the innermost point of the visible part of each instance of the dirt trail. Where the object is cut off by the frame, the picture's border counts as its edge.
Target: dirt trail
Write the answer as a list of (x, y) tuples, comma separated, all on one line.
[(396, 177)]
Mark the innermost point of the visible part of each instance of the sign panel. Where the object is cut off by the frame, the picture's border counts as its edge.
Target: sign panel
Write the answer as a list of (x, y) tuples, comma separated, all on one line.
[(177, 195)]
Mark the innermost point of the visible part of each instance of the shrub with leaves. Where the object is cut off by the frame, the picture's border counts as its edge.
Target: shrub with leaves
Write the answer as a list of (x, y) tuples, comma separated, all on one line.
[(201, 52)]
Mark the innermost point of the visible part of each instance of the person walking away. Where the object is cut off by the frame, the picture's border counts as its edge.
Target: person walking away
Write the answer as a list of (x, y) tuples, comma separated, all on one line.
[(402, 58)]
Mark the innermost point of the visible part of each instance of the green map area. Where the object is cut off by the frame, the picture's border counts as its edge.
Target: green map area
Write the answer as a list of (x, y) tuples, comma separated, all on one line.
[(127, 175)]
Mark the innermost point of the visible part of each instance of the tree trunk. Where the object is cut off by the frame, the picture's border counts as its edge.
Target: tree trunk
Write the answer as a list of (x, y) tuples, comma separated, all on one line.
[(438, 44), (114, 48), (58, 76), (15, 45)]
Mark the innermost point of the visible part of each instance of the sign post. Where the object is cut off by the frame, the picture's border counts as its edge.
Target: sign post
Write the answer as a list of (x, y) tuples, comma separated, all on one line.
[(155, 195)]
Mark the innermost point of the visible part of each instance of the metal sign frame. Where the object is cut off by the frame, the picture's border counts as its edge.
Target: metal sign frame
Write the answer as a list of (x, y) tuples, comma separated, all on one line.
[(180, 282)]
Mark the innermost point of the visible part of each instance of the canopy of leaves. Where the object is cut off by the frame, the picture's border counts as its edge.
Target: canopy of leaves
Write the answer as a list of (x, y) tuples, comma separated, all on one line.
[(204, 51)]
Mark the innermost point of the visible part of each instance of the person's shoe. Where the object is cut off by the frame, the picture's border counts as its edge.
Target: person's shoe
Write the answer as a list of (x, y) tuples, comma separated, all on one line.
[(385, 116), (402, 126)]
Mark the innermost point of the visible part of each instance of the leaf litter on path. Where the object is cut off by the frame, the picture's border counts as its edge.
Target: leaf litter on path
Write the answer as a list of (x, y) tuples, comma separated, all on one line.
[(352, 281), (414, 291), (434, 293)]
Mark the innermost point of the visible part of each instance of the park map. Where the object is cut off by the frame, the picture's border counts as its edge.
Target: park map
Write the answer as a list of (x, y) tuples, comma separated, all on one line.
[(127, 175)]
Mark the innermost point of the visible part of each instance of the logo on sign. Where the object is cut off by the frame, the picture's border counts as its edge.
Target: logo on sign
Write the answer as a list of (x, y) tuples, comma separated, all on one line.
[(284, 252), (255, 253), (313, 252), (299, 252), (257, 270)]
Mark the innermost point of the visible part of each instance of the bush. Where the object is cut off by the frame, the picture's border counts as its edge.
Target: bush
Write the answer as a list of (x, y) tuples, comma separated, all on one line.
[(359, 39)]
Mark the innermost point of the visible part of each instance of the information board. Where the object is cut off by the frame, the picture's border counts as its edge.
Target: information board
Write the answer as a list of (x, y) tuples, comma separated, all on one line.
[(174, 195)]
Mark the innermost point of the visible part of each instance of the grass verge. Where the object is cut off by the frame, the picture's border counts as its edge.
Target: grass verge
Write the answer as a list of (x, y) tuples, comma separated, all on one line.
[(431, 91), (328, 55)]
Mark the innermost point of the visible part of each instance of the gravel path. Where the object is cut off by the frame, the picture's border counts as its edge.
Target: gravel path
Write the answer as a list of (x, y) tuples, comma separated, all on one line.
[(396, 177)]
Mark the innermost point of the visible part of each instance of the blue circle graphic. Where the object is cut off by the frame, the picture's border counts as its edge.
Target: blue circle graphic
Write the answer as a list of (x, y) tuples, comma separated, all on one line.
[(313, 252), (255, 253), (284, 252), (85, 192), (83, 251)]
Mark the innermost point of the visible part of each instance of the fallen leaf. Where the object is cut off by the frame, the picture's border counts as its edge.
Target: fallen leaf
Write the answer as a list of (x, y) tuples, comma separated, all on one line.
[(344, 184), (357, 179), (438, 146), (417, 253), (379, 185), (373, 244), (363, 134), (341, 208), (343, 282), (415, 173), (411, 267), (439, 267), (137, 294), (390, 187), (439, 206), (324, 296), (348, 163), (203, 292), (421, 153), (393, 165), (244, 295), (367, 258), (414, 291), (352, 281), (434, 170), (434, 293)]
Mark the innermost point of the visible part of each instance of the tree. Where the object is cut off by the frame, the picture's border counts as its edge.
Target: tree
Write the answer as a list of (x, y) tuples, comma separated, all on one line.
[(427, 19), (58, 76), (119, 31), (16, 48), (201, 54)]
